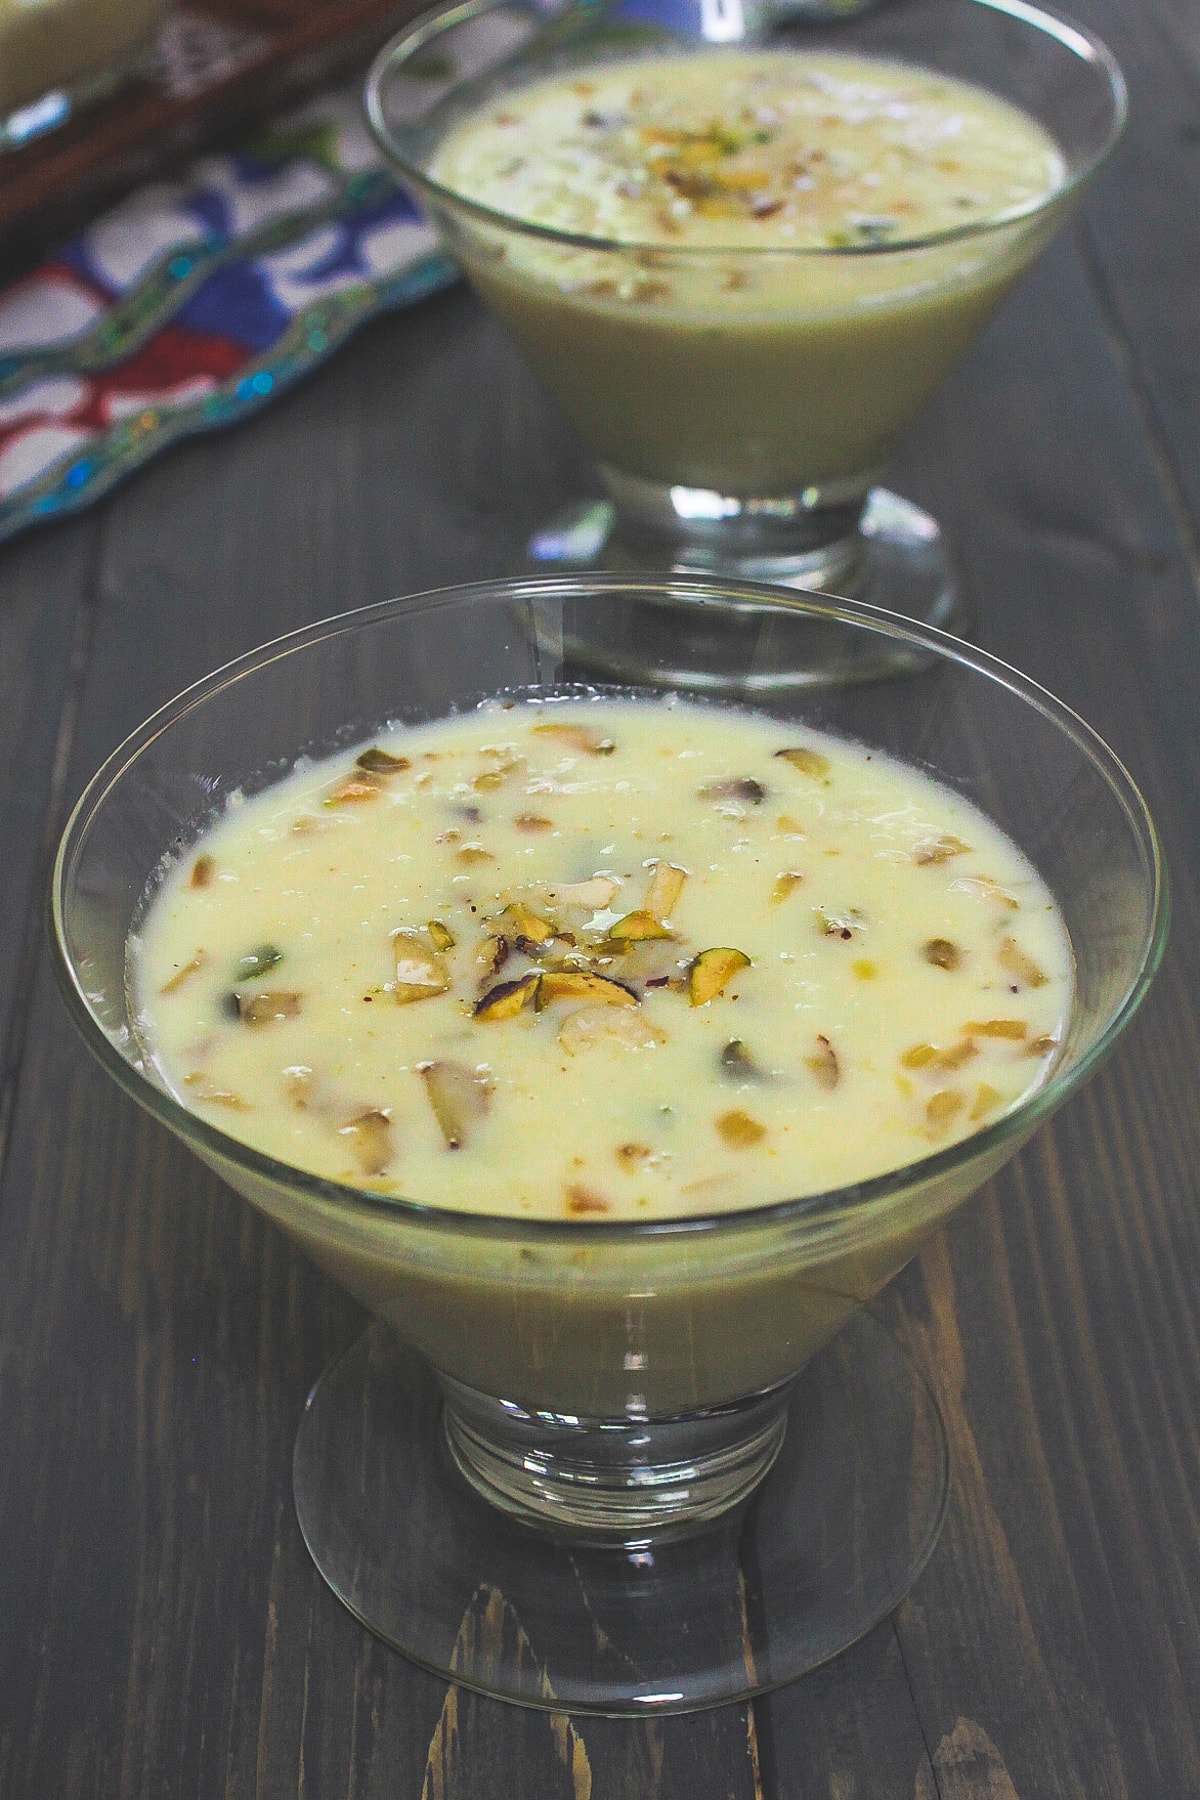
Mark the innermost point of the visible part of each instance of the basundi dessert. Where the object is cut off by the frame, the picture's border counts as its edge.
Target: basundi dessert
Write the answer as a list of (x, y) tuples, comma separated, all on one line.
[(602, 960), (733, 325)]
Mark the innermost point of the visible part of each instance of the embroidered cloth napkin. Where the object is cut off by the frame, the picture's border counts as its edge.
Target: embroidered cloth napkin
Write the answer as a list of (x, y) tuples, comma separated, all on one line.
[(194, 301)]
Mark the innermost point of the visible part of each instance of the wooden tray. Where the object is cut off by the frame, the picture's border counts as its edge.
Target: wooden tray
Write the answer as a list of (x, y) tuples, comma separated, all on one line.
[(215, 69)]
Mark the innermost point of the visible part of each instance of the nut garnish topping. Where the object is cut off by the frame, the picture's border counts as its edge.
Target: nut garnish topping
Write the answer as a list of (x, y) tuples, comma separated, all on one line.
[(997, 1028), (258, 962), (577, 737), (474, 853), (939, 849), (509, 998), (370, 1137), (1019, 963), (1042, 1046), (739, 1130), (666, 885), (491, 956), (709, 973), (267, 1009), (203, 873), (824, 1065), (533, 822), (421, 972), (519, 922), (740, 787), (942, 1108), (459, 1097), (809, 762), (595, 893), (987, 1099), (737, 1064), (590, 1026), (842, 925), (637, 925), (632, 1156), (942, 954), (582, 984), (441, 935), (184, 973), (582, 1200), (785, 883), (366, 785), (377, 761), (204, 1089), (987, 889)]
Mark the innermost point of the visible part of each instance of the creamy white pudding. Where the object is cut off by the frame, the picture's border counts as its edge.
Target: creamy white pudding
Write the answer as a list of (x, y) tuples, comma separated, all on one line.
[(602, 959)]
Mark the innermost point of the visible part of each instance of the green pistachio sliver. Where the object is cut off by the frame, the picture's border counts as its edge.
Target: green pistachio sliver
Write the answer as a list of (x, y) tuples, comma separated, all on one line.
[(508, 998), (809, 762), (380, 762), (258, 962), (441, 935), (709, 973), (267, 1009)]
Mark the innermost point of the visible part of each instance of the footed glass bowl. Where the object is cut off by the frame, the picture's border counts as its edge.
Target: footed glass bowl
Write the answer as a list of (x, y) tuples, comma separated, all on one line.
[(741, 401), (680, 1453)]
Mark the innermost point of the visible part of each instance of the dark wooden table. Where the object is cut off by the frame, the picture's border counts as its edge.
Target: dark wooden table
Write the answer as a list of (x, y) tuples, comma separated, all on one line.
[(162, 1631)]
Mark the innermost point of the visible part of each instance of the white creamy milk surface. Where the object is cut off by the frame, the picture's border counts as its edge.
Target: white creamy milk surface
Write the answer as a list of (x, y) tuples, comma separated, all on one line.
[(602, 959)]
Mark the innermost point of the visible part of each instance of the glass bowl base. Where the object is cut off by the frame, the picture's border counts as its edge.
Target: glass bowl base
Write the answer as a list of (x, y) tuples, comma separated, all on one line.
[(897, 560), (827, 1546)]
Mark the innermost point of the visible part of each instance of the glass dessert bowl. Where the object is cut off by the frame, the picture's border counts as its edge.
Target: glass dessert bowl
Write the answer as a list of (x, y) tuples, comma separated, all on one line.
[(736, 323), (691, 1429)]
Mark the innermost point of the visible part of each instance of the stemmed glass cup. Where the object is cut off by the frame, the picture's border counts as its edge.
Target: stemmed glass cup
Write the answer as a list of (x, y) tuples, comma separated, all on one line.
[(590, 1465), (741, 403)]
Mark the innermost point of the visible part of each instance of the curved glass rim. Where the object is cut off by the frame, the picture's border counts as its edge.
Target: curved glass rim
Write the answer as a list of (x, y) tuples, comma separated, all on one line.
[(1078, 38), (856, 1199)]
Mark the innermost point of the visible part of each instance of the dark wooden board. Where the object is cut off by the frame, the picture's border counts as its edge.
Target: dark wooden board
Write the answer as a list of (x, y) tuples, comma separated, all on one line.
[(161, 1630)]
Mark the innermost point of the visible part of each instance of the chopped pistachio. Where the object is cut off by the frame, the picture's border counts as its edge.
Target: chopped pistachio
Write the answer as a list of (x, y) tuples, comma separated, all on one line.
[(632, 1156), (582, 1200), (864, 969), (742, 787), (1019, 963), (518, 922), (823, 1065), (370, 1137), (786, 882), (184, 973), (443, 938), (377, 761), (474, 853), (421, 972), (1041, 1045), (366, 785), (739, 1130), (496, 776), (204, 871), (942, 954), (997, 1028), (987, 1099), (577, 737), (737, 1064), (956, 1054), (942, 1108), (459, 1097), (533, 822), (787, 826), (590, 1026), (666, 885), (709, 973), (258, 962), (509, 998), (267, 1009), (920, 1056), (939, 849), (582, 984), (809, 762), (637, 925), (491, 956)]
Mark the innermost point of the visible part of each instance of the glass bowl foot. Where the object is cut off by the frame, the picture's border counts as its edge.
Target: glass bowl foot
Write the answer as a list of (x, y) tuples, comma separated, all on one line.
[(896, 559), (826, 1547)]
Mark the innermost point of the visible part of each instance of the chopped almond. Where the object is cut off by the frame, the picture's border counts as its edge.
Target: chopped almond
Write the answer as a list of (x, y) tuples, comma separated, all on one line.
[(1019, 963), (533, 822), (459, 1097), (421, 972), (185, 973), (1042, 1046), (267, 1009), (666, 885), (380, 762), (203, 1089), (942, 954), (632, 1156), (474, 853), (204, 871), (584, 738), (592, 1026), (594, 893), (356, 788), (370, 1137)]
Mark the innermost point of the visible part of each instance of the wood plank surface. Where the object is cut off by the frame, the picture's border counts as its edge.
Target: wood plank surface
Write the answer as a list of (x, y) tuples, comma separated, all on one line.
[(162, 1631)]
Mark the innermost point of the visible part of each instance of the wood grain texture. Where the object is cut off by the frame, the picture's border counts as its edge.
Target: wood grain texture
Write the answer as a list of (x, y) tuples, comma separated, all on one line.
[(161, 1629)]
